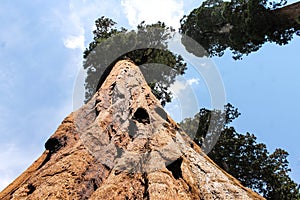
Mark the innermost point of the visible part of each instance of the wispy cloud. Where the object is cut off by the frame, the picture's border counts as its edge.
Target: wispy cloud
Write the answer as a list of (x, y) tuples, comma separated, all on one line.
[(78, 22), (74, 42), (184, 103), (178, 86), (182, 84), (152, 11), (193, 81), (76, 38)]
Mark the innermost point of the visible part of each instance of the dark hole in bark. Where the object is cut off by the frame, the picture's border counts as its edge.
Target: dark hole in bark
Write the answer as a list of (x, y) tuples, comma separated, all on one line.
[(97, 112), (31, 189), (146, 184), (95, 184), (192, 145), (53, 145), (175, 168), (142, 116)]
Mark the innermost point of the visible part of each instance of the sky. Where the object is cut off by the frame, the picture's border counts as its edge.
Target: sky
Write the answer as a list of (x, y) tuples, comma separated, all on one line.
[(41, 45)]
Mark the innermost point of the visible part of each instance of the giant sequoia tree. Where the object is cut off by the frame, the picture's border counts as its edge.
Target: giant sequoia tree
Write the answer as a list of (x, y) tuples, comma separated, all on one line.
[(146, 45), (242, 26), (244, 158)]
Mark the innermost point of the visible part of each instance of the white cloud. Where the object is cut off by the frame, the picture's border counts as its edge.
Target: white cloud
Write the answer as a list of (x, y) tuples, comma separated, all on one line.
[(77, 22), (74, 42), (74, 19), (184, 104), (178, 86), (181, 85), (151, 11), (193, 81)]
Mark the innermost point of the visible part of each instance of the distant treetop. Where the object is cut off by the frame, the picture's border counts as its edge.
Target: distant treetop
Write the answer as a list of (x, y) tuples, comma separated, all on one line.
[(242, 26)]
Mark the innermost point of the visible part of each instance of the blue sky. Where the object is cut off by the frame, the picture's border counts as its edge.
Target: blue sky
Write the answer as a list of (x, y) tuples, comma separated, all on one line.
[(41, 44)]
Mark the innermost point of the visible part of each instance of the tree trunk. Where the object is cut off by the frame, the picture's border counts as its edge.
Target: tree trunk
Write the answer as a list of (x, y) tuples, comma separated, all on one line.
[(123, 145), (291, 13)]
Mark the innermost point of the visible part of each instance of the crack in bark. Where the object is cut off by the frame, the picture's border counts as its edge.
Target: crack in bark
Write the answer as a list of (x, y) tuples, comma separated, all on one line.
[(146, 185), (55, 173)]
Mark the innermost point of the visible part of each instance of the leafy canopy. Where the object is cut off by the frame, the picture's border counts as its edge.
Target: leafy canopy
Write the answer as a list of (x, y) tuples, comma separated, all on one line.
[(145, 46), (242, 26), (241, 156)]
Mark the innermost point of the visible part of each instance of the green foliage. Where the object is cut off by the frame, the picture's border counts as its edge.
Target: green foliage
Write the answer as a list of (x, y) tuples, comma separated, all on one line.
[(212, 123), (244, 158), (242, 26), (144, 47)]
